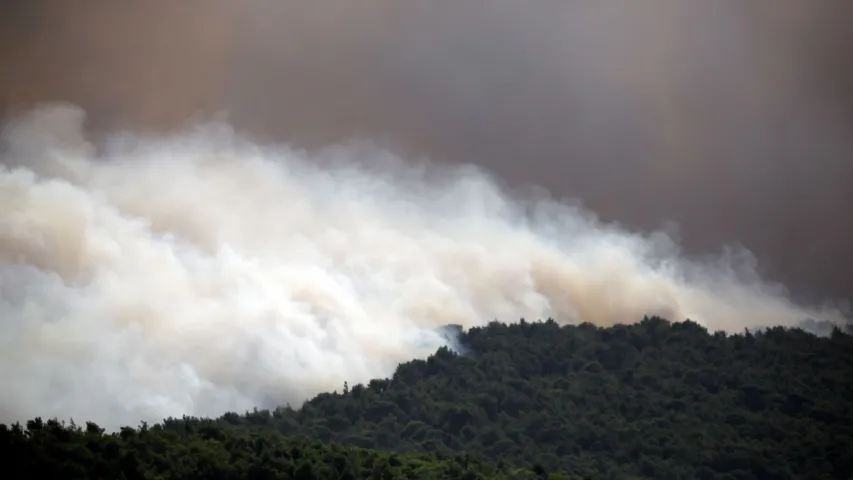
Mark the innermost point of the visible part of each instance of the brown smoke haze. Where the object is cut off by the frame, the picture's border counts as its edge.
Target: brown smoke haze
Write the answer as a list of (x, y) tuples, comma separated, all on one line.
[(150, 266)]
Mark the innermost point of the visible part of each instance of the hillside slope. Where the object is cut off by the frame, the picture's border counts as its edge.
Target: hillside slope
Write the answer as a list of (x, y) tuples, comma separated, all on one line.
[(654, 399)]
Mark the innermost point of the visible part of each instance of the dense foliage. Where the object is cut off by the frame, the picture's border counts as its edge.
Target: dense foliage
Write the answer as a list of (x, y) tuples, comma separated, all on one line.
[(651, 400), (201, 449)]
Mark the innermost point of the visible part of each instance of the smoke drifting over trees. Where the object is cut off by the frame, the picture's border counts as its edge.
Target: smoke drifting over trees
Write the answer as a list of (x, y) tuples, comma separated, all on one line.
[(202, 260), (199, 273)]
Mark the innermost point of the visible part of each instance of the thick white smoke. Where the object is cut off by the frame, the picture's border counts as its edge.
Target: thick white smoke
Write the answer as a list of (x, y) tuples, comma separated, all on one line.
[(201, 273)]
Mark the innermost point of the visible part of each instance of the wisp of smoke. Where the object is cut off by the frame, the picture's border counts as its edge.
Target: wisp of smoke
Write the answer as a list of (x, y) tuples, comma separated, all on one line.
[(200, 273)]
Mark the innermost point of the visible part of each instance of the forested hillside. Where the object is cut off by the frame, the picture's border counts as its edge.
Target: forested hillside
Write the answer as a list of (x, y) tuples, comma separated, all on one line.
[(651, 400)]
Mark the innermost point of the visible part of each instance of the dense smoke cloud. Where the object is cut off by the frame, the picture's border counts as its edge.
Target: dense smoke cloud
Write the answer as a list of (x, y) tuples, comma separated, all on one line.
[(199, 273), (179, 273)]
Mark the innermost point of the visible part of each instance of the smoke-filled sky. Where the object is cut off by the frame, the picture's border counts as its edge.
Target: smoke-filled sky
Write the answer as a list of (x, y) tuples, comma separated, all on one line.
[(189, 270), (732, 118)]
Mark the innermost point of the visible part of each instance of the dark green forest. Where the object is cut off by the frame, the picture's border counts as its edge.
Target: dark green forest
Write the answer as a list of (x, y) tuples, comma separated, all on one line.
[(202, 449), (654, 400)]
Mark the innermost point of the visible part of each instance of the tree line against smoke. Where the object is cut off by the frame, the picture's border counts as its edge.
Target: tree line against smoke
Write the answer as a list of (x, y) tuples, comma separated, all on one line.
[(654, 400)]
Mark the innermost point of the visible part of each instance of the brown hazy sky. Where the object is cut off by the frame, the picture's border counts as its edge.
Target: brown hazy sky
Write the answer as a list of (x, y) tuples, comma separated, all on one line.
[(733, 118)]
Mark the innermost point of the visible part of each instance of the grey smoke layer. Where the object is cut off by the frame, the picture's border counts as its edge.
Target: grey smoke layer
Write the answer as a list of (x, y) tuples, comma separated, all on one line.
[(198, 272), (733, 118)]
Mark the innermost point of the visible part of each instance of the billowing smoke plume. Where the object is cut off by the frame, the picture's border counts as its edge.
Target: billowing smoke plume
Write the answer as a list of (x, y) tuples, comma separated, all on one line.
[(198, 272)]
